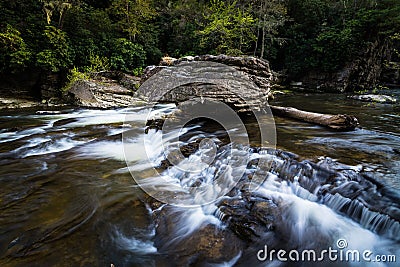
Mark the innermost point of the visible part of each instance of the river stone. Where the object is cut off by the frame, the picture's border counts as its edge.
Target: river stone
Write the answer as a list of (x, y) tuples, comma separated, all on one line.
[(208, 243), (384, 99), (227, 79), (100, 93), (249, 220)]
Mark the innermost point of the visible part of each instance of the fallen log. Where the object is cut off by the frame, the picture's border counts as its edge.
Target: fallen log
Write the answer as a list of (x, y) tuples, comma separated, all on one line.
[(341, 122)]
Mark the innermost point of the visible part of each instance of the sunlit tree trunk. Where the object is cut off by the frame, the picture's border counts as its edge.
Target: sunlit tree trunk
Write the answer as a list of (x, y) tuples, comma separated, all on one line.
[(263, 39), (50, 6)]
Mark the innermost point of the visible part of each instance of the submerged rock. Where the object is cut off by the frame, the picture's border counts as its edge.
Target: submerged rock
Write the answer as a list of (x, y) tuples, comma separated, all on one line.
[(384, 99), (290, 210), (193, 243)]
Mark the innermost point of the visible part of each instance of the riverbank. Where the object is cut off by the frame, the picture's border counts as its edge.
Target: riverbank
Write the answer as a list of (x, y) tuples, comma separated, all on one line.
[(110, 89), (69, 197), (18, 103)]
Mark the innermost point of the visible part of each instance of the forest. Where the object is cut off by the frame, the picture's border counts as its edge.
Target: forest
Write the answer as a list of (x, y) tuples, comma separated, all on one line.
[(266, 130), (126, 35)]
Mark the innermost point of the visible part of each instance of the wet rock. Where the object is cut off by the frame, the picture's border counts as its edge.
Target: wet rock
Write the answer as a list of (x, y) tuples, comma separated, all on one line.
[(100, 94), (248, 219), (384, 99), (244, 221), (64, 122), (156, 124), (346, 190), (208, 243)]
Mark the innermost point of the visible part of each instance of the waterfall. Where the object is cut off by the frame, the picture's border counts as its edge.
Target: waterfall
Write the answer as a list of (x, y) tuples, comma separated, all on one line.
[(374, 221)]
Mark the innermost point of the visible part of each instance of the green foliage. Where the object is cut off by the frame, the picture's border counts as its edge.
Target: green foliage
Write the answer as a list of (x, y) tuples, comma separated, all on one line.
[(14, 53), (126, 55), (228, 27), (272, 14), (180, 23), (137, 71), (385, 17), (89, 31), (149, 41), (126, 35), (97, 64), (56, 54), (74, 76), (332, 47), (133, 15), (325, 35), (396, 39), (376, 90)]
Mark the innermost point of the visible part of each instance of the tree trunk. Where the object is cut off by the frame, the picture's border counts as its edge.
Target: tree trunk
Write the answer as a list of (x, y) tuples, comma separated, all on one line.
[(339, 122), (263, 39), (256, 46), (128, 21)]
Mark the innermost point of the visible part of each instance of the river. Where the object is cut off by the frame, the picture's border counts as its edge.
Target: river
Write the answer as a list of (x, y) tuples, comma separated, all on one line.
[(68, 199)]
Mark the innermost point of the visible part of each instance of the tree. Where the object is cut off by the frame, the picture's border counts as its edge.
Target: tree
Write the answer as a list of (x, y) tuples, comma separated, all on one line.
[(14, 53), (90, 32), (126, 56), (49, 6), (133, 15), (56, 55), (178, 24), (271, 14), (228, 28)]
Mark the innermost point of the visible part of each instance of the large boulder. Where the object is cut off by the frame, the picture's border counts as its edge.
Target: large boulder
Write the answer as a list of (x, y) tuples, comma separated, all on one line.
[(258, 70), (103, 92), (241, 82)]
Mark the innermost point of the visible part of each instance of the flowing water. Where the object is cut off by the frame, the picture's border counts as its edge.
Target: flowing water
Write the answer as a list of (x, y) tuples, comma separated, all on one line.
[(374, 147), (68, 198)]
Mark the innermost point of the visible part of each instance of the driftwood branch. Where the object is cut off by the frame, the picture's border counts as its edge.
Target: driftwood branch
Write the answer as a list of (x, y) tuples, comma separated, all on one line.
[(339, 122)]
